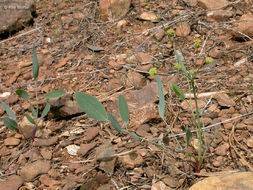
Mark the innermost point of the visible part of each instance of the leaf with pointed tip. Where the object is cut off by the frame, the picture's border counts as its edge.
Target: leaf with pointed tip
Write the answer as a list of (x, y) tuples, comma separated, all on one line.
[(54, 94), (35, 113), (22, 94), (161, 97), (123, 109), (188, 137), (114, 123), (9, 111), (91, 106), (30, 119), (10, 123), (35, 65), (177, 91), (181, 64), (45, 110)]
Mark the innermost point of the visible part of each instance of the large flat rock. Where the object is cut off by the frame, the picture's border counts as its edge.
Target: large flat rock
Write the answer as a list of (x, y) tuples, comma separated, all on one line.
[(238, 181), (15, 14)]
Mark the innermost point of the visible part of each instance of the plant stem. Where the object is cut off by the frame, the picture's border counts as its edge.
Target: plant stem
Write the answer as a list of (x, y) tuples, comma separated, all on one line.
[(197, 121), (179, 145), (159, 145)]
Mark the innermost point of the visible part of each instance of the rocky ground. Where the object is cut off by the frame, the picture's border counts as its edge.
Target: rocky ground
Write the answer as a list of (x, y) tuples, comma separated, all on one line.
[(86, 46)]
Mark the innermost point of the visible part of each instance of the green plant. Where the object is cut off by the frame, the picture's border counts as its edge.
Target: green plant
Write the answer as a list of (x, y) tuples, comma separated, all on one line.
[(152, 72), (11, 120), (190, 76), (197, 43), (170, 33), (196, 114), (209, 60), (95, 110)]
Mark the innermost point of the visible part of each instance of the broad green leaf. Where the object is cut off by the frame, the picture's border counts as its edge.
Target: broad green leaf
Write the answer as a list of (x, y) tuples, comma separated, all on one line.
[(35, 65), (45, 110), (178, 91), (188, 137), (123, 109), (114, 123), (181, 64), (30, 119), (9, 111), (161, 97), (10, 123), (54, 94), (22, 94), (34, 112), (91, 106)]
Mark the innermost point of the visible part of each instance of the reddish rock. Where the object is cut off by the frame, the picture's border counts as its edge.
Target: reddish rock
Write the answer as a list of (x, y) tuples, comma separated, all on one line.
[(238, 181), (32, 170), (160, 34), (64, 106), (45, 142), (121, 24), (143, 130), (15, 14), (33, 155), (27, 126), (170, 181), (245, 26), (185, 106), (250, 128), (224, 100), (212, 4), (135, 79), (221, 150), (249, 120), (91, 133), (78, 15), (11, 183), (113, 84), (191, 2), (149, 16), (219, 15), (11, 141), (12, 99), (216, 52), (113, 9), (46, 153), (44, 179), (183, 29), (84, 148), (131, 160), (4, 151), (144, 57), (250, 142), (108, 165), (141, 104), (206, 121), (241, 126), (105, 151), (160, 186)]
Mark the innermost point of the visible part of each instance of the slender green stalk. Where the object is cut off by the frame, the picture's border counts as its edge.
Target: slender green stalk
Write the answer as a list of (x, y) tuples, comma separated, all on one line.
[(207, 147), (199, 135), (159, 145), (179, 145)]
